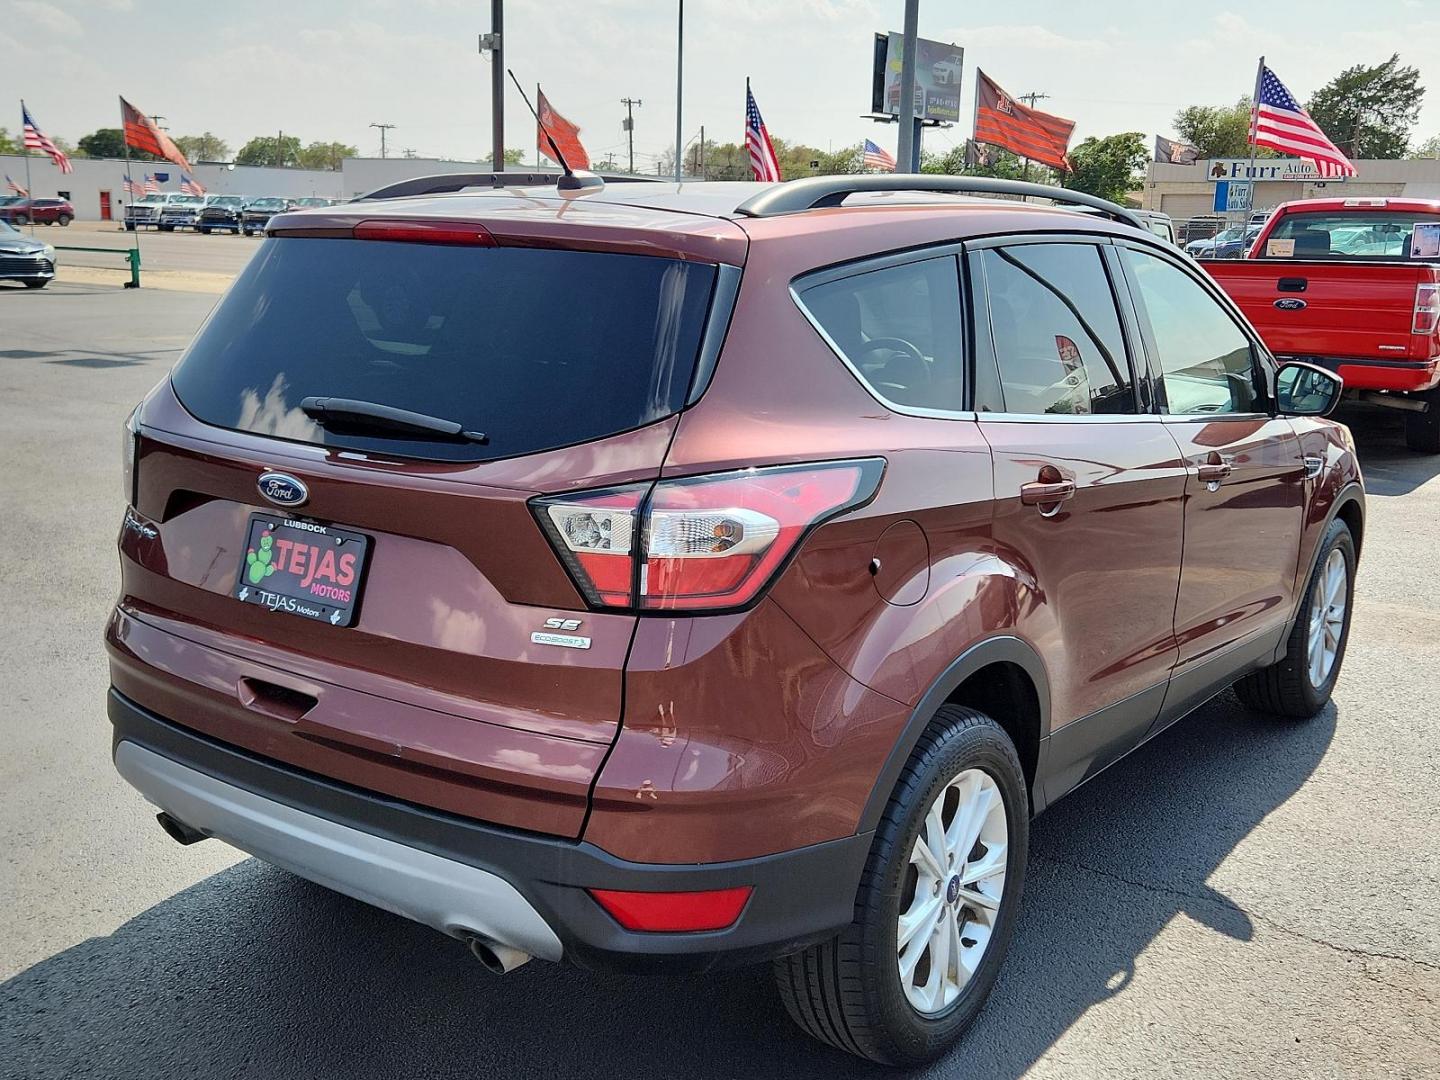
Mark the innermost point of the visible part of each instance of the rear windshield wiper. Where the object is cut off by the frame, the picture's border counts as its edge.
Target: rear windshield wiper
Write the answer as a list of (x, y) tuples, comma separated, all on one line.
[(375, 419)]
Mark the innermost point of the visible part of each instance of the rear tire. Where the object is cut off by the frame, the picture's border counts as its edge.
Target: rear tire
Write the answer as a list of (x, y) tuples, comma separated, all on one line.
[(851, 991), (204, 230), (36, 283), (19, 219), (1422, 430), (1299, 686), (63, 220)]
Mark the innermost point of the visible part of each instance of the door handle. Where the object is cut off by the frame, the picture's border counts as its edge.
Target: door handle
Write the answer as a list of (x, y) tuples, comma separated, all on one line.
[(1213, 471), (1292, 284), (1048, 495)]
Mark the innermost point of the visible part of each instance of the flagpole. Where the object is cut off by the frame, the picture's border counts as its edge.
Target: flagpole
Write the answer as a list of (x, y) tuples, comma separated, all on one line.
[(136, 221), (29, 188), (1254, 125), (679, 83)]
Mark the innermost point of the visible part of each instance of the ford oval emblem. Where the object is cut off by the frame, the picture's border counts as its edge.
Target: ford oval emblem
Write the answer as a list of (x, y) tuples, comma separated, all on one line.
[(282, 489), (1289, 303)]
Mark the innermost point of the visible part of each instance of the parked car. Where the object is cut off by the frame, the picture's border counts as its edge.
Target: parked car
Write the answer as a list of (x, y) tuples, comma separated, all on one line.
[(1350, 284), (222, 212), (1153, 220), (144, 212), (310, 202), (1204, 248), (25, 259), (20, 210), (181, 211), (257, 214), (748, 611), (1237, 247)]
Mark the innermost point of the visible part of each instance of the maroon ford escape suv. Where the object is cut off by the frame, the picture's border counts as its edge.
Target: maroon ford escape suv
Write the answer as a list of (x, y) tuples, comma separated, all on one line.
[(652, 577)]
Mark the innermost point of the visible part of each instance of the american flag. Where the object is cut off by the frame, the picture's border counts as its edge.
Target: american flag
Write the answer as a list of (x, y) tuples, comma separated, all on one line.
[(1278, 121), (35, 139), (128, 186), (191, 187), (152, 186), (13, 186), (877, 158), (763, 162)]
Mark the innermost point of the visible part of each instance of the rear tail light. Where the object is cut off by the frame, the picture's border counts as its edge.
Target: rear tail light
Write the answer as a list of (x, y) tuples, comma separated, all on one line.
[(130, 439), (674, 912), (1427, 309), (425, 232), (702, 543)]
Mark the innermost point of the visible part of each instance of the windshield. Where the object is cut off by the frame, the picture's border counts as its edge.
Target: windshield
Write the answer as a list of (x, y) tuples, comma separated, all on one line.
[(188, 200), (9, 199), (267, 204), (1378, 234), (227, 200), (312, 202), (537, 348)]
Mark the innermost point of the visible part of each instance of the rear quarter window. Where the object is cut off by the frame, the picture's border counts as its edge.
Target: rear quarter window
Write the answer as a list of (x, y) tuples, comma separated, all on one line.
[(1379, 234)]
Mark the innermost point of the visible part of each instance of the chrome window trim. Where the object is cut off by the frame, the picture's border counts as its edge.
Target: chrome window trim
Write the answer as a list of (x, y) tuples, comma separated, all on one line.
[(914, 256)]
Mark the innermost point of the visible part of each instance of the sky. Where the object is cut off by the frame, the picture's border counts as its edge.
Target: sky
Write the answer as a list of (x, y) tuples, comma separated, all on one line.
[(326, 69)]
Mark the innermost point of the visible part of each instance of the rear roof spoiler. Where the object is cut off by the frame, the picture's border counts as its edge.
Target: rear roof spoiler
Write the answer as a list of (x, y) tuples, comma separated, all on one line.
[(445, 183), (817, 192)]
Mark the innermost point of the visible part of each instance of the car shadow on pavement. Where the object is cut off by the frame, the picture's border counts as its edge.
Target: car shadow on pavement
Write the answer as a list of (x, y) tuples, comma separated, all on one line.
[(253, 972), (1390, 467)]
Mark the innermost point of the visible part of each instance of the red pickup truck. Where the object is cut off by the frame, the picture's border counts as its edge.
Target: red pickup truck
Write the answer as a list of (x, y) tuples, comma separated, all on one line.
[(1353, 285)]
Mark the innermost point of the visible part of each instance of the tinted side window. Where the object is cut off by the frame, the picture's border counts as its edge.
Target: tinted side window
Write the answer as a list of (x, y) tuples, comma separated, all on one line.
[(1205, 358), (1058, 341), (900, 329)]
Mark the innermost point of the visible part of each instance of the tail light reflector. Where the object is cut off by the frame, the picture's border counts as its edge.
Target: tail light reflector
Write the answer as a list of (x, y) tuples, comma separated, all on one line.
[(674, 912), (1427, 308), (700, 543)]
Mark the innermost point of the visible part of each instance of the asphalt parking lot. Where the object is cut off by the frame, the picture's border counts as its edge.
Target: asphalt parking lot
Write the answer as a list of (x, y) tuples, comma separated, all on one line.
[(1240, 898)]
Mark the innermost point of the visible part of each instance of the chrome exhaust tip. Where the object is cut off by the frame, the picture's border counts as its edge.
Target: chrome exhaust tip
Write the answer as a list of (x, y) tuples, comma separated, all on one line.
[(496, 958)]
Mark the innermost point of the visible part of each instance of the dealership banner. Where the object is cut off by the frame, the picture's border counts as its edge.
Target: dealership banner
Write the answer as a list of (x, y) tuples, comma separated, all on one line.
[(938, 70), (1267, 169)]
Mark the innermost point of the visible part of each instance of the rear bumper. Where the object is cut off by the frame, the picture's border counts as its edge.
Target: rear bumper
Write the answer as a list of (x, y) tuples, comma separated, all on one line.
[(1365, 374), (460, 876)]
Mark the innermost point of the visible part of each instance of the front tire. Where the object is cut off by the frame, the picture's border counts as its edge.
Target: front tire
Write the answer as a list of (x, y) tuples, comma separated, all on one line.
[(63, 220), (1299, 686), (936, 905), (36, 283)]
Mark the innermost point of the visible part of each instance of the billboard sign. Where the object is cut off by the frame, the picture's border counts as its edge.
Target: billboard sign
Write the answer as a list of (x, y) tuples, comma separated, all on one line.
[(1233, 196), (1267, 169), (938, 71)]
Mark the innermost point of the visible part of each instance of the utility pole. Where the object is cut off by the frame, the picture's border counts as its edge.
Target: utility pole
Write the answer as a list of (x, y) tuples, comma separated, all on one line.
[(383, 128), (1029, 99), (629, 124), (280, 149), (907, 158), (701, 170), (679, 86), (494, 44)]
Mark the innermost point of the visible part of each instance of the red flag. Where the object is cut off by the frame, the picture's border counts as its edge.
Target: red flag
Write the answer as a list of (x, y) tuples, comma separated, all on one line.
[(1000, 120), (141, 134), (565, 134)]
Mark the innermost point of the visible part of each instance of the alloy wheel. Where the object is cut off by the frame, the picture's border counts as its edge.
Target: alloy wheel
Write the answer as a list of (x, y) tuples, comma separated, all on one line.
[(1327, 617), (951, 891)]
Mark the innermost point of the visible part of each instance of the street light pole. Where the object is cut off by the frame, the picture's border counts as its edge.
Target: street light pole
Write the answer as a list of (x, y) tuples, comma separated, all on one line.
[(495, 42), (907, 150), (679, 84)]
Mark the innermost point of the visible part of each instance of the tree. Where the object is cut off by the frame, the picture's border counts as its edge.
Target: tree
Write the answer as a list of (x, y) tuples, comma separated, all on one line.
[(514, 156), (1368, 111), (1430, 148), (1217, 131), (262, 150), (7, 144), (1000, 163), (108, 143), (323, 155), (1108, 167), (206, 147)]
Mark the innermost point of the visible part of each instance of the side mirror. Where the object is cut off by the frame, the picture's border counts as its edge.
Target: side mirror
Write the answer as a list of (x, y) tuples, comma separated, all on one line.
[(1307, 390)]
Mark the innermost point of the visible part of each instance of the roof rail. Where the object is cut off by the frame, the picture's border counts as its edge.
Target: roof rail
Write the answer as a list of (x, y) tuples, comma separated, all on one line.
[(815, 192), (449, 182)]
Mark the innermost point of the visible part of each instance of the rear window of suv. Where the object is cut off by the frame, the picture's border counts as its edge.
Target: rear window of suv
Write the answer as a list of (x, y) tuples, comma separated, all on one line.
[(537, 348), (1379, 234)]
